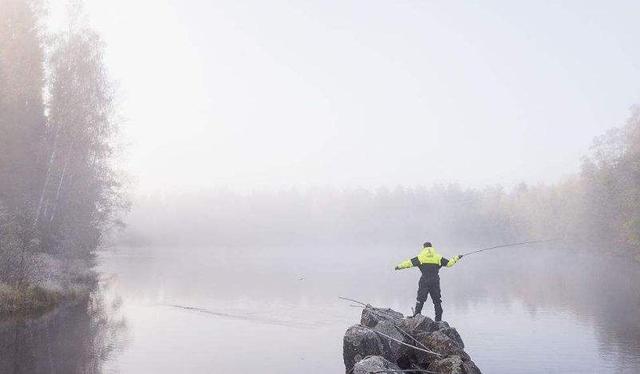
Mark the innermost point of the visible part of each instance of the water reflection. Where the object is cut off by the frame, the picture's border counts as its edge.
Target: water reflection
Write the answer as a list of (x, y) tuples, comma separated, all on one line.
[(599, 290), (74, 338), (548, 310), (235, 310)]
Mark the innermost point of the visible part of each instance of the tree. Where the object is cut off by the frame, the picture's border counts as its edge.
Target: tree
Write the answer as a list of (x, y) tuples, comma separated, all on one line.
[(22, 132), (84, 193), (59, 191)]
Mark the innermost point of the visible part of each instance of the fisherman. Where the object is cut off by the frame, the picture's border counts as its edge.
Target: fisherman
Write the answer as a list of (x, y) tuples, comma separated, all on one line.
[(429, 261)]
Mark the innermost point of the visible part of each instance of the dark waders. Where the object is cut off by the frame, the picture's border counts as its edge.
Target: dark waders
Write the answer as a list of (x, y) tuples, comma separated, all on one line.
[(429, 285)]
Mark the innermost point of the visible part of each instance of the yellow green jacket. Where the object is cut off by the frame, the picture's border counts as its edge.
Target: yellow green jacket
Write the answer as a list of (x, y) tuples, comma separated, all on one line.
[(429, 261)]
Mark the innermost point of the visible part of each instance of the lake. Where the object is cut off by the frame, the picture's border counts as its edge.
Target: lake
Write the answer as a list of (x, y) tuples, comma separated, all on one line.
[(276, 310)]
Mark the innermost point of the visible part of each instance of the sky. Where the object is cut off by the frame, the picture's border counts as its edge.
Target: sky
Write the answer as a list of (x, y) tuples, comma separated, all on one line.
[(273, 94)]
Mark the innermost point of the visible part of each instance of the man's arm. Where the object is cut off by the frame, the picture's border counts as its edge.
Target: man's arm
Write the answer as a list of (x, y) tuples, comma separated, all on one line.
[(449, 263), (408, 264)]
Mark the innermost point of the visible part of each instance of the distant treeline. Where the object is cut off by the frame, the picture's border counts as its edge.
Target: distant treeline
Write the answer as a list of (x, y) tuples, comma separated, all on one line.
[(597, 207), (58, 189), (444, 214)]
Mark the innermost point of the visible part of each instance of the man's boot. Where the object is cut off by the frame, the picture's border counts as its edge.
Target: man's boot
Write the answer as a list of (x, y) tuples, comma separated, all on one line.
[(418, 309), (438, 308)]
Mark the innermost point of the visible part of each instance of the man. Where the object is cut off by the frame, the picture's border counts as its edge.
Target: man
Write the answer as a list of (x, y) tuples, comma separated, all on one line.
[(429, 261)]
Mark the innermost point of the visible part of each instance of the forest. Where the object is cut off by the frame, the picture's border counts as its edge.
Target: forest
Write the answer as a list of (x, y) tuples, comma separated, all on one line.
[(595, 208), (59, 189)]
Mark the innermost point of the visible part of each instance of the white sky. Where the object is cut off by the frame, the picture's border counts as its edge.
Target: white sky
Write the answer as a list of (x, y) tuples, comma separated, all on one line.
[(249, 94)]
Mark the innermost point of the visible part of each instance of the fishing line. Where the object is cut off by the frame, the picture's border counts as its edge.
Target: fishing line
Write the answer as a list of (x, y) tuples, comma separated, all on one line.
[(509, 245)]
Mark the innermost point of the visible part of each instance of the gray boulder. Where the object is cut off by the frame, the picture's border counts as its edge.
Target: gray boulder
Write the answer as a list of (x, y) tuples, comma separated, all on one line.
[(449, 365), (419, 323), (358, 343), (453, 334), (372, 316), (438, 326), (470, 367), (440, 344), (373, 364), (374, 345), (387, 322), (453, 365), (392, 348)]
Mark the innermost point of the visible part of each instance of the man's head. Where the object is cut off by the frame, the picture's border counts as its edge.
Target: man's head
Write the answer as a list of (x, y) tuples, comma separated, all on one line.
[(426, 244)]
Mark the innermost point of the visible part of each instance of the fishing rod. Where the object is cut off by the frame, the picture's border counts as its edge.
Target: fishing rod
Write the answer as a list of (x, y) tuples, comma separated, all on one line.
[(508, 245)]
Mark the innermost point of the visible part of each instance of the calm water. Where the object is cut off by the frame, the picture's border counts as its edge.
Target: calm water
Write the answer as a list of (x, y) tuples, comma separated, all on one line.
[(277, 311)]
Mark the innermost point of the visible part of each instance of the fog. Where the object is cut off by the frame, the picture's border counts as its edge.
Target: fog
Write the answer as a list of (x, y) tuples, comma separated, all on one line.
[(190, 186), (303, 149), (365, 93)]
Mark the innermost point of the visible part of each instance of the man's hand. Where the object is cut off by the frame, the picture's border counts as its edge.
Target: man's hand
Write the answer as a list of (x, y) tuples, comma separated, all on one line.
[(460, 256), (397, 268)]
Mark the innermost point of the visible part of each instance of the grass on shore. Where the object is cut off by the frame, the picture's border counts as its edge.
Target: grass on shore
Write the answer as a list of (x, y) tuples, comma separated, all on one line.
[(26, 300)]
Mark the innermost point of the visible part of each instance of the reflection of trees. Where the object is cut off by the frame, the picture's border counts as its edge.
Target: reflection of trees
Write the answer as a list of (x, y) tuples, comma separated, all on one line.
[(75, 338), (601, 290)]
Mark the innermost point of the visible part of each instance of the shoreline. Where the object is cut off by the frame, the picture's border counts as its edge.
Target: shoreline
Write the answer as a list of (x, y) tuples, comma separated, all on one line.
[(33, 301)]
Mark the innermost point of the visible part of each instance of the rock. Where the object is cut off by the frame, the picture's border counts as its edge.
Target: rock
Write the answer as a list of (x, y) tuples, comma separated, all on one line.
[(441, 344), (367, 350), (372, 316), (373, 364), (453, 365), (470, 367), (449, 365), (358, 343), (453, 334), (438, 326), (392, 349), (414, 325)]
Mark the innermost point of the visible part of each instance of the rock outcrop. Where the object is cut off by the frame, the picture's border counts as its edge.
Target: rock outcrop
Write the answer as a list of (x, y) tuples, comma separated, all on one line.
[(374, 364), (387, 341)]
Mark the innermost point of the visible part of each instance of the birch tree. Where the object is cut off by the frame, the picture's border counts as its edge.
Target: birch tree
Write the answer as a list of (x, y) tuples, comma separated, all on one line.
[(84, 193)]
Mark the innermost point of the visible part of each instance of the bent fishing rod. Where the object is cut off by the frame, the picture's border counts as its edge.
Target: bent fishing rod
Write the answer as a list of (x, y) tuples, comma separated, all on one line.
[(509, 245)]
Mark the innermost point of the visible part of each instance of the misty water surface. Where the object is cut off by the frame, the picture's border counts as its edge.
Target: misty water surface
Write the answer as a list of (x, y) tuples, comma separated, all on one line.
[(202, 310)]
